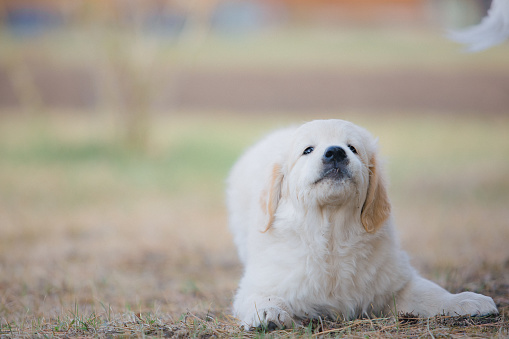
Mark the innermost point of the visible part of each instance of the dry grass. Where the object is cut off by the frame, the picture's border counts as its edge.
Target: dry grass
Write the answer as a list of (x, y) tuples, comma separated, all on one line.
[(210, 325), (97, 239)]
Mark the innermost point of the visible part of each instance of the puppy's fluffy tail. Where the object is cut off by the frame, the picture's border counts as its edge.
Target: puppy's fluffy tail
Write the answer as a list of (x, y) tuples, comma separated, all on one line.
[(493, 29)]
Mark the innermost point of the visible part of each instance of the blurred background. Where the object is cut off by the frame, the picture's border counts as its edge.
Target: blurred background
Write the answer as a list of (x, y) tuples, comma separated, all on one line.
[(119, 121)]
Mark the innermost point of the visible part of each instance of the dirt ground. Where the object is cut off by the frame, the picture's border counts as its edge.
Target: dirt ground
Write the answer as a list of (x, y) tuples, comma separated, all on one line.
[(400, 90)]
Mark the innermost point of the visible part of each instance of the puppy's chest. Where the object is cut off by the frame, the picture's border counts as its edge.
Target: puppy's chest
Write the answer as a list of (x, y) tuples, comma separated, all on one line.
[(323, 264), (332, 268)]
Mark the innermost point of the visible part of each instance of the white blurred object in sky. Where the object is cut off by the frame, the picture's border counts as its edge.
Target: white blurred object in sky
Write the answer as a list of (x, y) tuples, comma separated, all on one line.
[(493, 29)]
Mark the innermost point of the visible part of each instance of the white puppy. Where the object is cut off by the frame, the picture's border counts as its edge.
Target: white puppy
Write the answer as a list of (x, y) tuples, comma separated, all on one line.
[(311, 219)]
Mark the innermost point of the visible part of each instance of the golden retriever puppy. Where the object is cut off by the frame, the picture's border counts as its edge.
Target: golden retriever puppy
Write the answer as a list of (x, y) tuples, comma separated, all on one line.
[(311, 219)]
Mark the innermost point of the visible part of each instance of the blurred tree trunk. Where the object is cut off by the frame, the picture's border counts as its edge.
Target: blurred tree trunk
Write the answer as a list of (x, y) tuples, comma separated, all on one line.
[(129, 63), (23, 84), (124, 66)]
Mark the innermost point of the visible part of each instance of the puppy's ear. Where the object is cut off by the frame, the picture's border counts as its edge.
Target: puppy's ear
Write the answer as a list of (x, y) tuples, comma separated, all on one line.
[(376, 208), (271, 196)]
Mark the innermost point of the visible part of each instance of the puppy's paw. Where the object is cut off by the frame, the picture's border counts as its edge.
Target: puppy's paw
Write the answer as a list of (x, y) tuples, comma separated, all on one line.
[(272, 318), (469, 303), (267, 313)]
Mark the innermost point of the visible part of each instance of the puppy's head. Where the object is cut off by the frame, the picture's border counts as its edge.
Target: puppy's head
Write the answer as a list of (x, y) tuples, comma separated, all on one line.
[(331, 163)]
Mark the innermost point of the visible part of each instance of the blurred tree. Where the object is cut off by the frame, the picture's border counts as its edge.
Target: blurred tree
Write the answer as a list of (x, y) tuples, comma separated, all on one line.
[(23, 83), (129, 57)]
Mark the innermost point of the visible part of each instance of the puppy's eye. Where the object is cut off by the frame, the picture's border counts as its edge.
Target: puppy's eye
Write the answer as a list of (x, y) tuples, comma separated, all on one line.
[(308, 150), (352, 149)]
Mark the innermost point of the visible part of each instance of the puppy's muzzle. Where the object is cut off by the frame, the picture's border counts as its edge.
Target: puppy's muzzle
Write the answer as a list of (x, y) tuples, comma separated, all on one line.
[(335, 161)]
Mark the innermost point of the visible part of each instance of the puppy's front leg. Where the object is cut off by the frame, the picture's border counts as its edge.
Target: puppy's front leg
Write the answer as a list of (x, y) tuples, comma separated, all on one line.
[(270, 312), (426, 299)]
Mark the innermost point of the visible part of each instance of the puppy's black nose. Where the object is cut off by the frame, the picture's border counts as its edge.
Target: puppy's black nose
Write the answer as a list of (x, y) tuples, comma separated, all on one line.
[(334, 154)]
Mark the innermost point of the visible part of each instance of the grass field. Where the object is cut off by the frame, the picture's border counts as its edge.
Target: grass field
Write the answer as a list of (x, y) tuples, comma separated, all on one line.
[(98, 239)]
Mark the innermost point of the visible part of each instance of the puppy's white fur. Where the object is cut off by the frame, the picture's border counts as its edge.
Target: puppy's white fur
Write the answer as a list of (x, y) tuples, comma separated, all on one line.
[(493, 29), (320, 244)]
